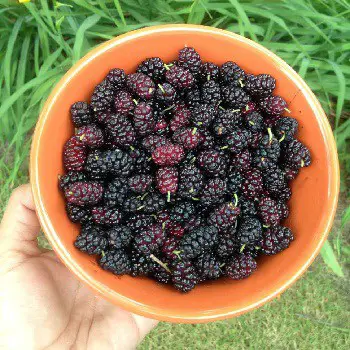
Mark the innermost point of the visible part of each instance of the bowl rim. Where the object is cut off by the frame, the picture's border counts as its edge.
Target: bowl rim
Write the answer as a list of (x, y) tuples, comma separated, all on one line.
[(130, 304)]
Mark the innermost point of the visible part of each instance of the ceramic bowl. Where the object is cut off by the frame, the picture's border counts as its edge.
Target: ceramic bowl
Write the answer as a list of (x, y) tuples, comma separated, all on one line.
[(312, 206)]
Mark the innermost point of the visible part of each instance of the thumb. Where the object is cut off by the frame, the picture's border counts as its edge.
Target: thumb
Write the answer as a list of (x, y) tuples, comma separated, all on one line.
[(20, 225)]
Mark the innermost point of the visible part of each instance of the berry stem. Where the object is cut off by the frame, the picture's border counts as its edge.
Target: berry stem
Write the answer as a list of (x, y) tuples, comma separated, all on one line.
[(144, 196), (282, 138), (242, 248), (287, 110), (241, 82), (135, 101), (163, 226), (154, 258), (161, 88), (208, 77), (251, 122), (132, 148), (236, 199), (167, 109), (270, 134), (141, 207), (224, 147), (168, 197), (177, 253), (194, 131), (195, 198), (302, 163)]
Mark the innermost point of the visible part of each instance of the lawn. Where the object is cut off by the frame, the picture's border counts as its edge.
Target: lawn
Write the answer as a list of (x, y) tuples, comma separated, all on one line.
[(41, 40)]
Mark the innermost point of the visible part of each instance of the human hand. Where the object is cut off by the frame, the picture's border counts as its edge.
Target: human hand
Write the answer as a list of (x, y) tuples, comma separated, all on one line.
[(42, 305)]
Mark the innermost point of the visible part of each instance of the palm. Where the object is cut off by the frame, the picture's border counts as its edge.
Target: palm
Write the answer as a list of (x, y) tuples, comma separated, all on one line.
[(42, 305), (63, 306)]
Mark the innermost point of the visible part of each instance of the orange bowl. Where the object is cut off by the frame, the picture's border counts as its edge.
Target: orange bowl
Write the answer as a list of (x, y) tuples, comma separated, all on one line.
[(315, 191)]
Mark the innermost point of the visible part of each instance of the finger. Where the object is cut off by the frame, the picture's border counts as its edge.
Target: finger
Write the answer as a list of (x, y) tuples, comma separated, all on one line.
[(20, 225), (145, 325)]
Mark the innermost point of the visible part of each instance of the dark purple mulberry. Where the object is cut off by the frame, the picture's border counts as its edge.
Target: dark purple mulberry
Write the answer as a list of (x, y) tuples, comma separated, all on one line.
[(179, 77), (150, 239), (184, 276), (240, 266), (198, 241), (209, 71), (296, 155), (276, 239), (273, 105), (81, 114), (260, 85), (189, 59), (121, 129), (123, 103), (230, 72), (153, 67), (141, 85), (116, 261), (143, 118), (116, 77), (102, 96), (84, 193)]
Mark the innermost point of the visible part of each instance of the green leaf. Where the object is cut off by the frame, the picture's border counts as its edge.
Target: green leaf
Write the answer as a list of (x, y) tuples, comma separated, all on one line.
[(245, 20), (341, 90), (197, 12), (330, 259), (21, 73), (8, 57), (346, 217), (30, 85), (120, 11), (58, 22), (79, 39)]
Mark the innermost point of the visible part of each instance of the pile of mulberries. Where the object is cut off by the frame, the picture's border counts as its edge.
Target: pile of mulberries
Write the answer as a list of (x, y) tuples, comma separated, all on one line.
[(181, 171)]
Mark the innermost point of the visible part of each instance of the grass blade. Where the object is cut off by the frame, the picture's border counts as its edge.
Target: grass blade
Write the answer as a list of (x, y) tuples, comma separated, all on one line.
[(120, 11), (330, 259), (79, 39), (243, 16), (345, 218), (8, 61), (30, 85)]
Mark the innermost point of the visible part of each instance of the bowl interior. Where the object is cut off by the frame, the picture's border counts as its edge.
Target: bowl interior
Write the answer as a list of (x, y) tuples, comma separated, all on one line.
[(311, 206)]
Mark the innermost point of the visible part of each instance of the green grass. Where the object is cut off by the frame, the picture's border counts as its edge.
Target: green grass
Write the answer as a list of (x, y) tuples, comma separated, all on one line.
[(41, 40), (310, 315)]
